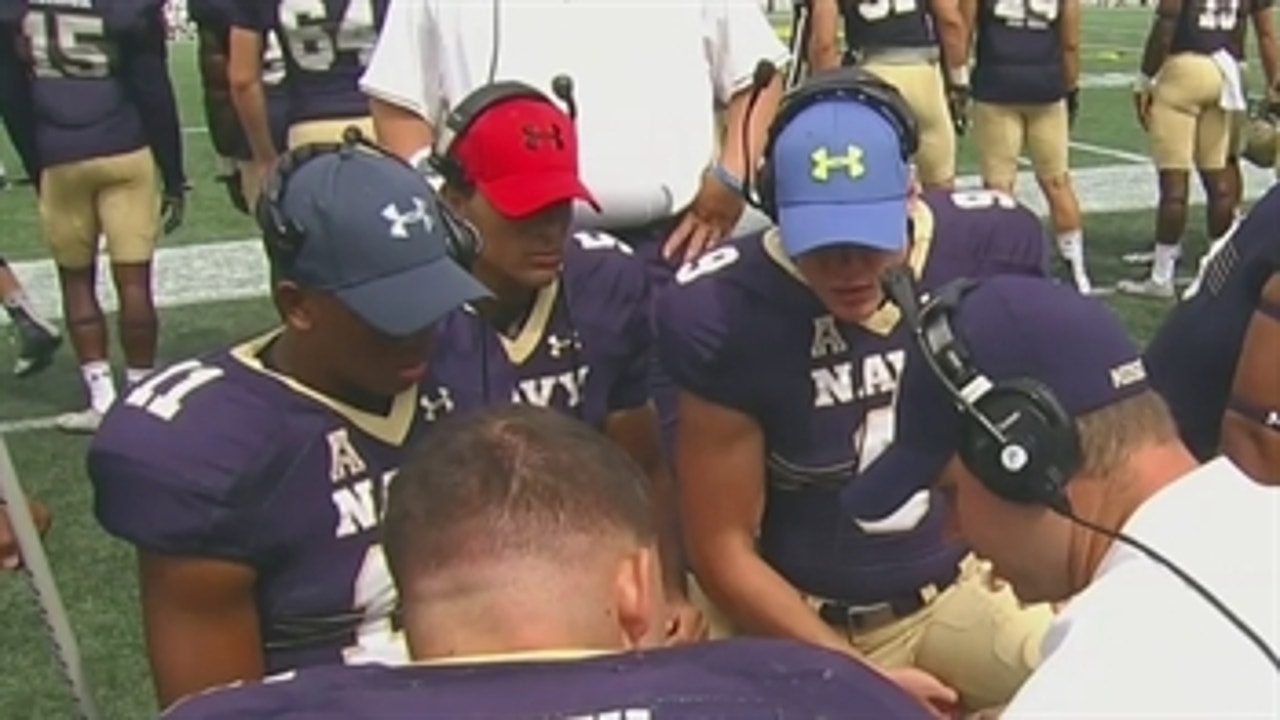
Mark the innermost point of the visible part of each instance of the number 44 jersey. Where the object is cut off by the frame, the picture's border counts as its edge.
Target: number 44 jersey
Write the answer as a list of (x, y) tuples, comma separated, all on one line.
[(326, 45), (222, 458), (741, 329)]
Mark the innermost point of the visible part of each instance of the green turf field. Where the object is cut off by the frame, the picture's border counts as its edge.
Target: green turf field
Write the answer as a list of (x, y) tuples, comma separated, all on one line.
[(210, 284)]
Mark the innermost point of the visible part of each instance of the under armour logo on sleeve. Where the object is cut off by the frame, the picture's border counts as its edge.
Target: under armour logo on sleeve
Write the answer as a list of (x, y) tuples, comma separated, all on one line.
[(401, 220)]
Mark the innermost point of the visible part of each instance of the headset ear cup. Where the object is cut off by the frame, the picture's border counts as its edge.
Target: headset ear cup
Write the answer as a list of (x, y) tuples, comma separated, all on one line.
[(461, 238), (1035, 464)]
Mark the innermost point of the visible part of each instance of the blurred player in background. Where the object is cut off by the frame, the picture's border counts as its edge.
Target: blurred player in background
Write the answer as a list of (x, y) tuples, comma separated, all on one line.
[(38, 339), (525, 553), (212, 19), (1187, 96), (1025, 87), (326, 45), (907, 43), (1216, 359), (568, 326), (105, 116), (251, 481), (788, 361)]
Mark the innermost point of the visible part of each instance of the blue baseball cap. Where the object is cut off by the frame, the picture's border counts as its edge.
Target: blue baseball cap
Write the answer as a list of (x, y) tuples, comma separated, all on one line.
[(375, 239), (1012, 327), (840, 179)]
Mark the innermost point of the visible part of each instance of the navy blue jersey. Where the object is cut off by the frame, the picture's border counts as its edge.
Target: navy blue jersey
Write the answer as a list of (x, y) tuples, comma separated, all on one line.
[(1207, 26), (16, 108), (1018, 52), (744, 679), (326, 45), (740, 328), (582, 349), (101, 83), (1192, 359), (223, 458), (875, 24)]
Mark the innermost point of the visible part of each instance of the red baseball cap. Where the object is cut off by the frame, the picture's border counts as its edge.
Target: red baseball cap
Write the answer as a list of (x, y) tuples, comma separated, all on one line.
[(522, 155)]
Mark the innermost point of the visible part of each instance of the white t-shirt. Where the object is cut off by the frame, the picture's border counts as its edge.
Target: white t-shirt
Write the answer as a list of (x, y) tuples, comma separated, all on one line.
[(1138, 643), (646, 76)]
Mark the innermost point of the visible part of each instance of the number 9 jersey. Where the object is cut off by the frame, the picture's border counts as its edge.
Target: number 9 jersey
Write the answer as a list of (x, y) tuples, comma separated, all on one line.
[(740, 328), (326, 45), (222, 458)]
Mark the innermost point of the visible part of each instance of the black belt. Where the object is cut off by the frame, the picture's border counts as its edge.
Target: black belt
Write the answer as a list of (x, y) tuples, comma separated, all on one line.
[(862, 617)]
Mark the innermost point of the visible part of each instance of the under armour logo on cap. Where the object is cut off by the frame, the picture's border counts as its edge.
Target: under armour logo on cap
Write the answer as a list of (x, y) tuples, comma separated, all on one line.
[(400, 221), (536, 137)]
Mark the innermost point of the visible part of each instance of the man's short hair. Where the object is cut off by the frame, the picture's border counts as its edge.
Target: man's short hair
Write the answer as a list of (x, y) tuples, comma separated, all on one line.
[(507, 481), (1110, 434)]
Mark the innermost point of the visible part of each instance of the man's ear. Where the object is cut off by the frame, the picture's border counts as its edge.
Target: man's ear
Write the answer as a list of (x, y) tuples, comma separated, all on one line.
[(292, 305), (640, 600)]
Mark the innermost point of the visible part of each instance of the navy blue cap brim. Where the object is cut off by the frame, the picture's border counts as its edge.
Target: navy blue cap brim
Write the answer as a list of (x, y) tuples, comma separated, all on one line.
[(898, 474), (408, 302), (879, 225)]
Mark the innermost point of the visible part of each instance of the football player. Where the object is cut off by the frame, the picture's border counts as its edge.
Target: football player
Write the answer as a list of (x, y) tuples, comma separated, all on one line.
[(212, 19), (568, 326), (1187, 94), (1215, 359), (900, 41), (326, 44), (105, 116), (38, 340), (524, 548), (782, 344), (251, 481), (1025, 76)]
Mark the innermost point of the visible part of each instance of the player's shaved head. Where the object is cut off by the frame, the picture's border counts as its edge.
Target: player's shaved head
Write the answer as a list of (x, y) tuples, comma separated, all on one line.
[(515, 501)]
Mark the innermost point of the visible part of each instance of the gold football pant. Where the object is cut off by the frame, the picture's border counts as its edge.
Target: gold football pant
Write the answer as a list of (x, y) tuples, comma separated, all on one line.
[(922, 87), (1003, 130), (1188, 127), (117, 196)]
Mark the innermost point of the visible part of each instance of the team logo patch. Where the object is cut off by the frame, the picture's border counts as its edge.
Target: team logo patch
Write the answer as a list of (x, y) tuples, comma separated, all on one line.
[(824, 163), (400, 220)]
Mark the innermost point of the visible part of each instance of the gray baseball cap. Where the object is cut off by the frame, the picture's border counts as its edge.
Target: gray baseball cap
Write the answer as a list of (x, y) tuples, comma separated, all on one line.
[(375, 238)]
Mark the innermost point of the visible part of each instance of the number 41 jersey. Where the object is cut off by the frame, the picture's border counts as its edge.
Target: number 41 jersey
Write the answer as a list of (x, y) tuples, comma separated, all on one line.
[(326, 46), (222, 458), (740, 328)]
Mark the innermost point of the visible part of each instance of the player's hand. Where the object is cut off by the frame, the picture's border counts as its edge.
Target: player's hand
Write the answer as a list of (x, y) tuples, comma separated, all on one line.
[(1073, 106), (173, 209), (958, 104), (686, 623), (940, 699), (235, 190), (10, 558), (709, 219), (1142, 108)]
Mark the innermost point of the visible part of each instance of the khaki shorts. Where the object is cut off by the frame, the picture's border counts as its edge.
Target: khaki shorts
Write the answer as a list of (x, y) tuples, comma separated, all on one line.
[(1002, 131), (116, 196), (1188, 127), (922, 87), (981, 642)]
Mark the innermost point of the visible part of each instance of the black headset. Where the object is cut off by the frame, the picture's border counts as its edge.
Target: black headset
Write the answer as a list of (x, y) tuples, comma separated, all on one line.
[(852, 83), (472, 107), (1017, 438), (284, 236)]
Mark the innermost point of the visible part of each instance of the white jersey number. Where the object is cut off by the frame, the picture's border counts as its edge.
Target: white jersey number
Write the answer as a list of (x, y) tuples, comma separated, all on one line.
[(66, 45), (983, 200), (707, 263), (1219, 15), (178, 380), (873, 10), (272, 60), (1020, 12), (378, 639), (591, 240), (314, 46)]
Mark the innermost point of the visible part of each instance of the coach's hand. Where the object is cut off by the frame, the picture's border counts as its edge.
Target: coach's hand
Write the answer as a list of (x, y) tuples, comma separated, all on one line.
[(10, 558), (940, 699), (686, 624), (709, 219)]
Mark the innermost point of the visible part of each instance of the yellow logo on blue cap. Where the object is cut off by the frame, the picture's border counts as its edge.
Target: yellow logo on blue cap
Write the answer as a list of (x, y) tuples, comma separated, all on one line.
[(824, 162)]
